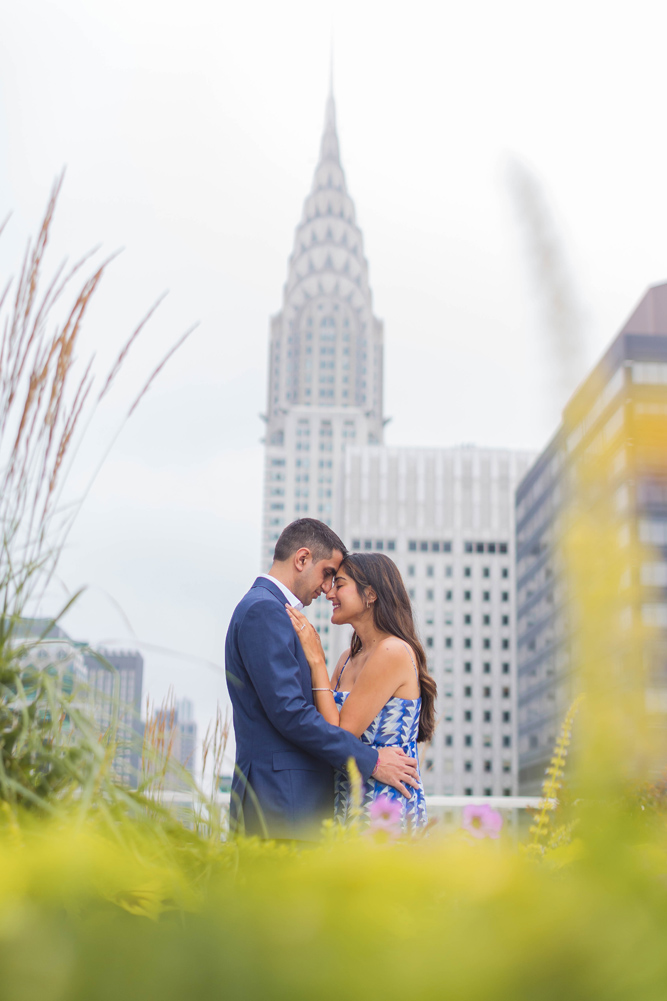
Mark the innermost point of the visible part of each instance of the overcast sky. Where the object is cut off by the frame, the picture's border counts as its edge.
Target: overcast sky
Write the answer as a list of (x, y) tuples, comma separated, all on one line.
[(190, 132)]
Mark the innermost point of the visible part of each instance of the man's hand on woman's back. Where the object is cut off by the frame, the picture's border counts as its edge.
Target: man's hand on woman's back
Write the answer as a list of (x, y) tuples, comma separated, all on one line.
[(396, 769)]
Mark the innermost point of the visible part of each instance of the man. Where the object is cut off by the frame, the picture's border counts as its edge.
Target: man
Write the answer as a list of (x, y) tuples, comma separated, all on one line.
[(285, 751)]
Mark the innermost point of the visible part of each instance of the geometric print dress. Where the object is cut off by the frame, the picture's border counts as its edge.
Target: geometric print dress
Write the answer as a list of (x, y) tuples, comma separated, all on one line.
[(396, 725)]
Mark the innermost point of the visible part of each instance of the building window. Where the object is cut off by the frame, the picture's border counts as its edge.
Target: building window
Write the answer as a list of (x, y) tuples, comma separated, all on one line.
[(506, 668), (448, 642), (487, 716), (486, 620), (467, 740), (448, 571), (429, 641), (487, 643), (467, 692), (391, 545), (467, 596), (487, 667), (487, 692), (467, 572), (505, 620), (467, 791), (486, 572), (412, 546), (488, 766), (429, 595), (368, 543), (467, 620), (507, 766), (486, 596), (507, 792), (411, 570), (467, 643), (449, 740), (423, 547), (467, 547), (467, 667), (435, 547), (533, 740), (506, 693), (507, 740), (506, 644), (505, 572), (448, 595), (467, 716), (467, 766), (429, 570), (505, 596), (488, 791), (507, 717)]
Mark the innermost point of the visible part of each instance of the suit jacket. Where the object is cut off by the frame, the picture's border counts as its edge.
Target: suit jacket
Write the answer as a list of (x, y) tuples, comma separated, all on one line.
[(285, 750)]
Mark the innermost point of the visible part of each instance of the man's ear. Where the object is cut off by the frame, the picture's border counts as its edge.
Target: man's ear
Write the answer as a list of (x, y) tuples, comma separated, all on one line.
[(301, 558)]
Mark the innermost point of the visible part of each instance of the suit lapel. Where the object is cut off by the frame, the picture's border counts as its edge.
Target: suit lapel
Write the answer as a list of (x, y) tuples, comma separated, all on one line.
[(306, 682)]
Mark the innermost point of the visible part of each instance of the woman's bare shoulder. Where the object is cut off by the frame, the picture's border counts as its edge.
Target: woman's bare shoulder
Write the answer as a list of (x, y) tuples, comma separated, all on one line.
[(394, 654)]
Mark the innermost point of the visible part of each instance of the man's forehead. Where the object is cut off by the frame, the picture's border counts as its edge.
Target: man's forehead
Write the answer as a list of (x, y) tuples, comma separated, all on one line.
[(334, 561)]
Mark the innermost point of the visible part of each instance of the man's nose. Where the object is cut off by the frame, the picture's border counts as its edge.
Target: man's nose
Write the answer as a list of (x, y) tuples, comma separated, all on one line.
[(326, 586)]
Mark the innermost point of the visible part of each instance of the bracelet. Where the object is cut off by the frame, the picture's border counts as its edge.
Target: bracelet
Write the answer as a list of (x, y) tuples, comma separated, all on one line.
[(322, 690)]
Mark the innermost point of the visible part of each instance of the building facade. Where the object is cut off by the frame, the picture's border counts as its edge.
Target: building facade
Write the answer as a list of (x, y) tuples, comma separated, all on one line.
[(325, 362), (115, 680), (446, 517), (606, 416)]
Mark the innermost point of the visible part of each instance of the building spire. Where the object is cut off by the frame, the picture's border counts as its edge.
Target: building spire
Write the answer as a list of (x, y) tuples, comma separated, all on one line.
[(329, 148)]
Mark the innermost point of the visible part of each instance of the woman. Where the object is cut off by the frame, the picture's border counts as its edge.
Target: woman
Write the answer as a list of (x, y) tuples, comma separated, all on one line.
[(381, 690)]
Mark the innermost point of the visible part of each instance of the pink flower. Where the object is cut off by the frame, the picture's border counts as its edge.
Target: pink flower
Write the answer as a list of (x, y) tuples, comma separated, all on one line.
[(482, 821), (385, 814)]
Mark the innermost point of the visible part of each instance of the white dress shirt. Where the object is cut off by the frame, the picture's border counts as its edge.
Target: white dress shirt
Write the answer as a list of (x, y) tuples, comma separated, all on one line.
[(292, 598)]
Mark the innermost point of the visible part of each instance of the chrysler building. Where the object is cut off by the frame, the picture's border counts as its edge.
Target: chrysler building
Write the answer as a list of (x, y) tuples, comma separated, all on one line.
[(325, 362)]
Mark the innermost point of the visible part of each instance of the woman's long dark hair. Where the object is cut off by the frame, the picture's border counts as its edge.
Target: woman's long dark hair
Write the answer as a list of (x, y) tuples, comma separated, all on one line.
[(392, 614)]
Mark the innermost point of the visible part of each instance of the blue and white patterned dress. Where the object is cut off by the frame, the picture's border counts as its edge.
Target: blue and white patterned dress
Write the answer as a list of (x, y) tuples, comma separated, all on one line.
[(396, 725)]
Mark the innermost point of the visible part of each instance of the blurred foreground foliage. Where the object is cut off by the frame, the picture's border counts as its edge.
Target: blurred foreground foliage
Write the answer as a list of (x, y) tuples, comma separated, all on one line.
[(96, 913)]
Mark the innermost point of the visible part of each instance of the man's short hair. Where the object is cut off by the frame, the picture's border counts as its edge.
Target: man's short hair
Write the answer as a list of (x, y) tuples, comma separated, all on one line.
[(308, 533)]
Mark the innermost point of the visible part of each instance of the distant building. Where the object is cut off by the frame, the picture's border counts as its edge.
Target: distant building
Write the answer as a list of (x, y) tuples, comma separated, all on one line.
[(48, 646), (174, 734), (446, 517), (117, 688), (325, 364), (626, 386)]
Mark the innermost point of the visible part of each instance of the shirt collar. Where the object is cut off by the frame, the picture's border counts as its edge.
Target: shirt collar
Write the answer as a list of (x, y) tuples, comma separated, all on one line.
[(292, 598)]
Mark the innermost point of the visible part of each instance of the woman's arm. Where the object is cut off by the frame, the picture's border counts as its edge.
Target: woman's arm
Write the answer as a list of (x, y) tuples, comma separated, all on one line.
[(312, 647)]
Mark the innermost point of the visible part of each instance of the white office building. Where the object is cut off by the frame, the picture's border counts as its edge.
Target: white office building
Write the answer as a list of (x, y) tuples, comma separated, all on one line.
[(446, 517), (325, 364)]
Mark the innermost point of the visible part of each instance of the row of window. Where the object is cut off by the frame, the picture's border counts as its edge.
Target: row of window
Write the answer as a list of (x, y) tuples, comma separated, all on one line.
[(449, 571), (467, 692), (487, 740), (467, 643), (486, 667), (429, 595), (506, 716)]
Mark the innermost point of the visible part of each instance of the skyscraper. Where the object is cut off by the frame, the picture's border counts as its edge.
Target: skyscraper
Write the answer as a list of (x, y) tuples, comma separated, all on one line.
[(116, 694), (325, 364), (606, 417), (446, 518)]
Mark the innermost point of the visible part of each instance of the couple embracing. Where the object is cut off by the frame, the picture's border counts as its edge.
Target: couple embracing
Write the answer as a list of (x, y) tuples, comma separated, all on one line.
[(295, 727)]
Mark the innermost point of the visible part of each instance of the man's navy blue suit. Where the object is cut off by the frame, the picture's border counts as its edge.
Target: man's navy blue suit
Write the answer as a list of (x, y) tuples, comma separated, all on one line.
[(285, 750)]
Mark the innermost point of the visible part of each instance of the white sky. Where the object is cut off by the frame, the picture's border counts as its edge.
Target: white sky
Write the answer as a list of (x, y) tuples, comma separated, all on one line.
[(190, 133)]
